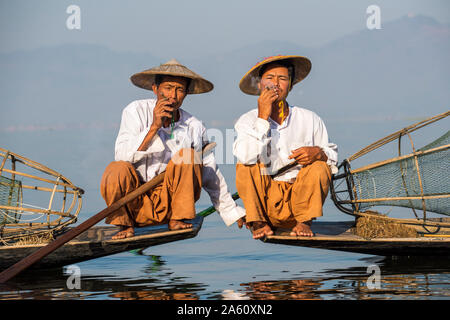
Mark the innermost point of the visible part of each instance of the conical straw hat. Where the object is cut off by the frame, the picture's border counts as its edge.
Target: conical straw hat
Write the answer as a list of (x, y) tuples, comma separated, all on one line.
[(249, 82), (145, 79)]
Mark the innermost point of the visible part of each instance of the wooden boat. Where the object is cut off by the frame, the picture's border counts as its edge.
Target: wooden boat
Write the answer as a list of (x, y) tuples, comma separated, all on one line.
[(339, 236), (71, 245), (96, 242), (418, 180)]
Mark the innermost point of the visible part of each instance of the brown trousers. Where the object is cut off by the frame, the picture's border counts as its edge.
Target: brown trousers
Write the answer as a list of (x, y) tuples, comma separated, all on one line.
[(283, 203), (173, 199)]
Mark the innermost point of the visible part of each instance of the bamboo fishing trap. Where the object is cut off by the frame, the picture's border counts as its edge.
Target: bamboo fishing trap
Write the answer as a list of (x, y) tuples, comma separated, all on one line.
[(418, 180), (34, 200)]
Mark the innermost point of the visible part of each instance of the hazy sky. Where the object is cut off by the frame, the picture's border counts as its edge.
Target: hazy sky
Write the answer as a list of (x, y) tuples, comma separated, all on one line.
[(198, 26)]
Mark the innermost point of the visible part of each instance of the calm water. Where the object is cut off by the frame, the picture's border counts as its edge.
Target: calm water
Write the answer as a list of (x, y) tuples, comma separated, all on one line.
[(226, 263)]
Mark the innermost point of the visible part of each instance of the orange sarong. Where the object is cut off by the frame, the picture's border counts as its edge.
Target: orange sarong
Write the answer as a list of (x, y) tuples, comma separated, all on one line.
[(174, 198), (283, 203)]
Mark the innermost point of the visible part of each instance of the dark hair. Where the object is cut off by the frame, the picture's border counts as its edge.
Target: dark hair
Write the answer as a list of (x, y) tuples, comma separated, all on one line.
[(159, 78), (282, 63)]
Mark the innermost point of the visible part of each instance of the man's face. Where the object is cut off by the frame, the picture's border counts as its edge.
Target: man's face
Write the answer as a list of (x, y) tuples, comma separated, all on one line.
[(276, 75), (172, 88)]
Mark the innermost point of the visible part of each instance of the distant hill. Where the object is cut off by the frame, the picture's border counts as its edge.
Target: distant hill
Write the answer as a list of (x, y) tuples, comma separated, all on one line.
[(399, 70), (67, 83), (402, 68)]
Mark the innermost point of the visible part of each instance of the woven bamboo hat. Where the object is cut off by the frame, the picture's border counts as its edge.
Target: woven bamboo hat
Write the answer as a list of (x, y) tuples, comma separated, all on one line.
[(145, 79), (249, 82)]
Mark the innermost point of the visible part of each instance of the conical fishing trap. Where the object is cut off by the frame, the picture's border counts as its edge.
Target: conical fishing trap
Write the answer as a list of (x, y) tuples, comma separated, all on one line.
[(418, 180), (34, 200)]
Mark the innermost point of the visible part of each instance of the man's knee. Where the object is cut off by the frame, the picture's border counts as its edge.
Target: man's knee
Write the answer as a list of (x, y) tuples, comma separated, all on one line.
[(319, 170), (187, 156), (250, 169), (118, 170), (243, 168)]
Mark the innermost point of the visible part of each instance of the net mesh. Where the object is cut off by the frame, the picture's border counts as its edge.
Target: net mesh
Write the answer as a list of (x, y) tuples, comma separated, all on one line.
[(10, 195), (400, 179)]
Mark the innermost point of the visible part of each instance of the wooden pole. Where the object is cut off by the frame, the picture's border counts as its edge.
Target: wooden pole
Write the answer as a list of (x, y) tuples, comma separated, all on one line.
[(404, 157), (66, 237)]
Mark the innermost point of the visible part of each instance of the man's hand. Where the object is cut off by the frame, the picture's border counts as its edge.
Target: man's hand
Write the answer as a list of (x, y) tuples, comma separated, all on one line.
[(307, 155), (163, 109), (265, 100), (242, 222)]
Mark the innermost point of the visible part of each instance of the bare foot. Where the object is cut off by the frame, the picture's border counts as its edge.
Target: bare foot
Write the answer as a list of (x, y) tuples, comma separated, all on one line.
[(178, 224), (260, 229), (125, 232), (302, 229)]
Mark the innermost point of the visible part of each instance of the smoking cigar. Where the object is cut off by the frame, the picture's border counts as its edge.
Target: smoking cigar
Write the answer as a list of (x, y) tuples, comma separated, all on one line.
[(280, 104)]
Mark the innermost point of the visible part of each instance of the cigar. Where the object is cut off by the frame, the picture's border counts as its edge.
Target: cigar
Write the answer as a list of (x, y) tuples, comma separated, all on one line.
[(165, 118)]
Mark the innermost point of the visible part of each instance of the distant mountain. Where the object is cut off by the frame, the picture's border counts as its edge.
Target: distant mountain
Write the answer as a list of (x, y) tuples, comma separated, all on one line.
[(67, 83), (402, 69), (399, 69)]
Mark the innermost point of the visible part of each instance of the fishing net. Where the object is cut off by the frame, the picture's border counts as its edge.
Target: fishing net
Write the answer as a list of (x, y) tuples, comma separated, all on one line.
[(418, 180), (10, 195)]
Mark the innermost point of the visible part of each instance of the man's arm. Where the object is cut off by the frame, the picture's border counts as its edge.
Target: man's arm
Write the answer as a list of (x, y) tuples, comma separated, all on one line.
[(329, 149), (132, 135), (215, 185), (252, 135), (217, 189), (322, 151), (252, 139), (148, 138), (162, 110)]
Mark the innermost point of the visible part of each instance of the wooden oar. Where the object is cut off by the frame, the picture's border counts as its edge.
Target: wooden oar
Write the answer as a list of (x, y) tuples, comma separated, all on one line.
[(72, 233)]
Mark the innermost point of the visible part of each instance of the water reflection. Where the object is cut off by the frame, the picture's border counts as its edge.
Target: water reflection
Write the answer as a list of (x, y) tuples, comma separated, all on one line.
[(400, 278), (299, 289), (154, 283)]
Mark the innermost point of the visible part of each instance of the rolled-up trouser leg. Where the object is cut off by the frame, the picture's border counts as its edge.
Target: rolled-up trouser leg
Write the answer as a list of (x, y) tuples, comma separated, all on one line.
[(183, 183), (252, 183), (310, 190)]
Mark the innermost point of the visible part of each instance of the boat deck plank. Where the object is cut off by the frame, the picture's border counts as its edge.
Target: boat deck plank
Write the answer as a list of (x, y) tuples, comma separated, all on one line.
[(338, 236)]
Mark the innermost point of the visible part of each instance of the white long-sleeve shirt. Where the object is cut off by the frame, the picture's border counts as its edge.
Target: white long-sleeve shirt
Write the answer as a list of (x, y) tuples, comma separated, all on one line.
[(189, 132), (272, 143)]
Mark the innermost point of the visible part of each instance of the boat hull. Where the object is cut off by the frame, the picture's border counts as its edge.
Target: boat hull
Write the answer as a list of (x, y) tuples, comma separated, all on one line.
[(338, 236), (95, 243)]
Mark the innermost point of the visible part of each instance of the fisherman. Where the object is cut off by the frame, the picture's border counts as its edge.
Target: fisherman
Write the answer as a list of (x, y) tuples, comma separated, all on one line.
[(271, 137), (156, 135)]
